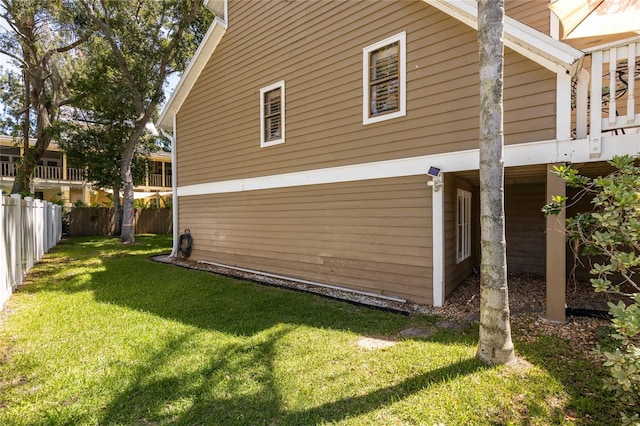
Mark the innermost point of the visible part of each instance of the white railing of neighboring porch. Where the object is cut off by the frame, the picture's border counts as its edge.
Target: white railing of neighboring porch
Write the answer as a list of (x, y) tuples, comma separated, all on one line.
[(608, 93), (28, 229)]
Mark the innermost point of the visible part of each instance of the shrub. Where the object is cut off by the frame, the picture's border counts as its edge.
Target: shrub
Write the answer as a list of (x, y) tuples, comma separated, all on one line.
[(610, 233)]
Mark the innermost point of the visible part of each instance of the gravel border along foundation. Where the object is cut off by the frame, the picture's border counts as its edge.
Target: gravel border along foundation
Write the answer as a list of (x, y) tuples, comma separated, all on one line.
[(526, 303)]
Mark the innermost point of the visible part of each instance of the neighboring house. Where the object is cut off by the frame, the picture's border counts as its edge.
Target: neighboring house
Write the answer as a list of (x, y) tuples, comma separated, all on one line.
[(337, 142), (54, 180)]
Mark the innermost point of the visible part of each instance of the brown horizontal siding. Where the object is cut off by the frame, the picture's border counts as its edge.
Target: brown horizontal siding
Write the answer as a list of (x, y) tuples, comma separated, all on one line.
[(525, 228), (370, 235), (534, 13), (316, 47)]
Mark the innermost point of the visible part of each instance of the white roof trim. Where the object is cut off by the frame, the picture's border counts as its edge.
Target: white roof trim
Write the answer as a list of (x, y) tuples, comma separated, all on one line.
[(544, 50), (191, 74), (219, 7)]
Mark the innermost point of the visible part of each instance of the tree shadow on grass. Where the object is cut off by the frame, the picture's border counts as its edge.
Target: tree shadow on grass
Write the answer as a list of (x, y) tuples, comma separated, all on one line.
[(238, 385), (234, 383), (234, 386), (217, 393), (224, 304)]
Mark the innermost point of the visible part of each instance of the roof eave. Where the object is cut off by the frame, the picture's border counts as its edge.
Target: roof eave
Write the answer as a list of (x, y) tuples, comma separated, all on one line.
[(198, 62), (543, 49), (218, 7)]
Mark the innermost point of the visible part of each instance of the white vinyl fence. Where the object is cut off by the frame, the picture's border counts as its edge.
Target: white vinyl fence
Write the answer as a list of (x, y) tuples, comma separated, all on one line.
[(29, 228)]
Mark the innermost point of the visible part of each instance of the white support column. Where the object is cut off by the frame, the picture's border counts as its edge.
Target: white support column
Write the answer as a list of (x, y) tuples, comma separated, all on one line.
[(174, 188), (554, 24), (563, 106), (582, 100), (64, 167), (631, 100), (595, 131), (437, 207), (613, 59)]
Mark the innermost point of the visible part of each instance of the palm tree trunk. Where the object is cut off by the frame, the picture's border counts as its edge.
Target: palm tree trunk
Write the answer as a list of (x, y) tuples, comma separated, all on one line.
[(117, 220), (495, 344)]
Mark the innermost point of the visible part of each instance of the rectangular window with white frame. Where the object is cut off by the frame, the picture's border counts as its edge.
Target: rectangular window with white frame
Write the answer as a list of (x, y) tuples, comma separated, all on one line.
[(384, 79), (463, 225), (272, 114)]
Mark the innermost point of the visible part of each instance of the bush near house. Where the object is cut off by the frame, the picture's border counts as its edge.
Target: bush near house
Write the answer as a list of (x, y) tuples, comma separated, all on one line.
[(610, 232)]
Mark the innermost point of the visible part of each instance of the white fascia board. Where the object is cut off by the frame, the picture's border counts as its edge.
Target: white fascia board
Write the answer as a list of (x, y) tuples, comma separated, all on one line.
[(617, 43), (219, 7), (191, 74), (540, 48)]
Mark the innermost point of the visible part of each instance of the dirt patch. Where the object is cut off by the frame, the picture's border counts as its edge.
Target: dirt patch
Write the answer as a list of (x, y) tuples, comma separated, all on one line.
[(375, 343), (416, 332), (527, 298)]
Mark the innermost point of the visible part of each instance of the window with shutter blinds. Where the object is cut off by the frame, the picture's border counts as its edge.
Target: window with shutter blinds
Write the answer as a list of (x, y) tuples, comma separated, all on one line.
[(383, 79), (272, 114), (384, 85)]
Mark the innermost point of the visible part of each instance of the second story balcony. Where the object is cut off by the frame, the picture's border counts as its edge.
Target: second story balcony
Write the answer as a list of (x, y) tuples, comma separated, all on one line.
[(606, 95), (158, 180), (48, 173)]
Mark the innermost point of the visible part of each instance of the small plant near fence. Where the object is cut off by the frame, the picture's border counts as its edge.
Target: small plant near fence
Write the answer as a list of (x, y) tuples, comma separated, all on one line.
[(610, 232)]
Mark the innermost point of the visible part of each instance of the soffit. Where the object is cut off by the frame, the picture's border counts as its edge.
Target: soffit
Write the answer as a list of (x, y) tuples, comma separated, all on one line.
[(544, 50)]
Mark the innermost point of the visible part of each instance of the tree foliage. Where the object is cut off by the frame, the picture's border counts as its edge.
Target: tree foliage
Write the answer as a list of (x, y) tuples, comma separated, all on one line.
[(11, 103), (609, 235), (43, 33), (143, 42)]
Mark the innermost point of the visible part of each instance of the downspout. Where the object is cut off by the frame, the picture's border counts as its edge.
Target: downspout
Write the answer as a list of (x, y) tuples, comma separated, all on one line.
[(174, 187)]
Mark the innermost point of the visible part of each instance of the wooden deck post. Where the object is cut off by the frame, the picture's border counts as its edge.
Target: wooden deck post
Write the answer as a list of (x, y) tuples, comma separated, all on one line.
[(556, 276)]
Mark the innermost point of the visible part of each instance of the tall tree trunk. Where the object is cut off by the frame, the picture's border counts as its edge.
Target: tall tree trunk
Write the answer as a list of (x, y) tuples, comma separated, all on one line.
[(495, 344), (128, 216), (117, 220), (22, 180), (127, 234)]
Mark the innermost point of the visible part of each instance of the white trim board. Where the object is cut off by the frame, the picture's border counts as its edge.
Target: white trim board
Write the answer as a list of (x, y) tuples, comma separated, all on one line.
[(544, 152)]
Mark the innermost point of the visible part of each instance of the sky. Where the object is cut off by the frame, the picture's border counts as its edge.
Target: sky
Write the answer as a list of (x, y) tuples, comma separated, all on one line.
[(3, 59), (4, 62)]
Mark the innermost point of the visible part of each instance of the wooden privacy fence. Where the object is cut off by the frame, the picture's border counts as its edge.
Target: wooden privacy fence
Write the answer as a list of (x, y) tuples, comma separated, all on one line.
[(28, 229), (100, 221)]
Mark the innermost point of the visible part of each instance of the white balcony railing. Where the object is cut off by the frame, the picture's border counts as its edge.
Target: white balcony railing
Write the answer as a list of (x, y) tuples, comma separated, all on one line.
[(48, 172), (75, 174), (44, 172), (608, 93), (156, 180), (7, 169)]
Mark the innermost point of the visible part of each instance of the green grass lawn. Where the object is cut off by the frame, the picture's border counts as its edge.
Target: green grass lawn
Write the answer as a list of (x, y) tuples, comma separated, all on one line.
[(100, 334)]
